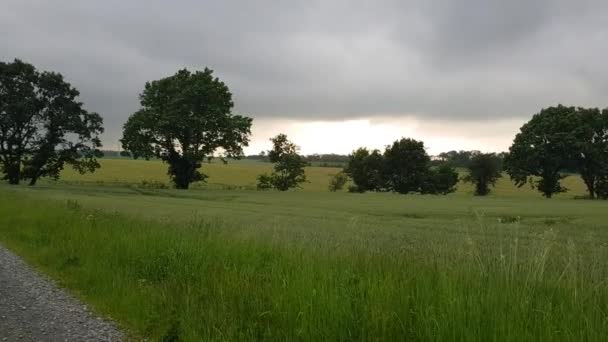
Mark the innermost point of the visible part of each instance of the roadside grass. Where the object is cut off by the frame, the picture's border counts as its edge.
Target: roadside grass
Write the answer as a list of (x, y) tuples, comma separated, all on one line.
[(245, 265)]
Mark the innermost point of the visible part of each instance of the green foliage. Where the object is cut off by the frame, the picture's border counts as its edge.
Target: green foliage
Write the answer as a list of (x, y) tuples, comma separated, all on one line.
[(264, 182), (184, 119), (365, 168), (43, 126), (545, 146), (560, 139), (289, 166), (441, 180), (484, 172), (459, 159), (337, 182), (405, 167), (591, 157)]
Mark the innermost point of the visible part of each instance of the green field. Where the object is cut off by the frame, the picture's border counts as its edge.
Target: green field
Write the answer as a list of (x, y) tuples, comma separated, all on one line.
[(224, 262)]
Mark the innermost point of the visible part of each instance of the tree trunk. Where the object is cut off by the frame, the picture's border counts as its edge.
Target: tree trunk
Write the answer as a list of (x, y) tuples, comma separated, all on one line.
[(33, 180), (13, 173), (590, 183)]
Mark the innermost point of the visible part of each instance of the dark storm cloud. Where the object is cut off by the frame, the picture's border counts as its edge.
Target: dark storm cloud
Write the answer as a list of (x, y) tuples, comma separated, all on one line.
[(449, 60)]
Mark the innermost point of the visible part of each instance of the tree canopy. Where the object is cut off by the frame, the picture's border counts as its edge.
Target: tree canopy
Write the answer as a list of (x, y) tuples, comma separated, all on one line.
[(484, 172), (43, 126), (405, 167), (559, 140), (184, 119), (365, 168), (289, 166), (543, 148)]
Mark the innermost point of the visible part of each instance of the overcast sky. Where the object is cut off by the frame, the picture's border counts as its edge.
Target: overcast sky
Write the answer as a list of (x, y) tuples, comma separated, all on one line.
[(333, 75)]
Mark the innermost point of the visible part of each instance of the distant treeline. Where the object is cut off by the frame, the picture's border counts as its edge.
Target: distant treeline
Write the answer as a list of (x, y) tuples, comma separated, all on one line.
[(457, 159), (323, 160), (462, 159)]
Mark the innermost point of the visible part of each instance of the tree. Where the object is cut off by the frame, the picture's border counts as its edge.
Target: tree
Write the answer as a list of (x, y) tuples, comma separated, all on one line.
[(67, 133), (591, 157), (406, 166), (484, 171), (184, 119), (543, 148), (289, 166), (338, 181), (440, 181), (365, 168), (43, 126)]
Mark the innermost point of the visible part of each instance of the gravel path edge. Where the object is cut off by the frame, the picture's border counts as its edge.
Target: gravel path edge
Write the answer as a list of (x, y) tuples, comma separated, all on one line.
[(34, 308)]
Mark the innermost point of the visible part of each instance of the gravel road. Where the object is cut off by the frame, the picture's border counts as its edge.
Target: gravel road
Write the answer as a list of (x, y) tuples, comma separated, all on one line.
[(33, 308)]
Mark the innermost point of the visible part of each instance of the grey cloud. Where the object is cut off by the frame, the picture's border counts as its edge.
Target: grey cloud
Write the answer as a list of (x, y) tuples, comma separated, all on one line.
[(448, 60)]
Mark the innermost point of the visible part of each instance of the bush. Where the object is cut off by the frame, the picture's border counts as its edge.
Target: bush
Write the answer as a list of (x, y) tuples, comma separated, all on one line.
[(441, 181), (338, 181), (264, 182)]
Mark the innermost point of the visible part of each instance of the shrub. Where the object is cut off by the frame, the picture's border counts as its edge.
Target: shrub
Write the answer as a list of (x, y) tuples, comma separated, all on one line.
[(264, 182), (338, 181)]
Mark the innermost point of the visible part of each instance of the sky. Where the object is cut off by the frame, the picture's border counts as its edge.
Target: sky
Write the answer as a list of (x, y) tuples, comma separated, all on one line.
[(333, 75)]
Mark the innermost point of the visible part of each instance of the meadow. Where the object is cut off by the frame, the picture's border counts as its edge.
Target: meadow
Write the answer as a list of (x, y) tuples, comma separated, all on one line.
[(225, 262)]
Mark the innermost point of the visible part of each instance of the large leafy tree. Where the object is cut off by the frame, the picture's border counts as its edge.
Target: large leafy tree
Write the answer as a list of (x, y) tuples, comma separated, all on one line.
[(484, 172), (66, 134), (289, 166), (365, 168), (591, 157), (543, 149), (184, 119), (406, 166), (441, 180), (43, 126)]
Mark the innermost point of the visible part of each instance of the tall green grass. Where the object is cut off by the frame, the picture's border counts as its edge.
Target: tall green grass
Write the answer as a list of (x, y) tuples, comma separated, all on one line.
[(214, 278)]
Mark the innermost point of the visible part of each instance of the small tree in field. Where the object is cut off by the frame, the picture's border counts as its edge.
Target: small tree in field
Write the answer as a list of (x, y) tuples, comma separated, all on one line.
[(338, 181), (183, 120), (484, 171), (289, 166)]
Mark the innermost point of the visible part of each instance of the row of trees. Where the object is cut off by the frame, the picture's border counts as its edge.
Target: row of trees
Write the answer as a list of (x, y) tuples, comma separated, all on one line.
[(43, 126), (403, 167), (187, 118)]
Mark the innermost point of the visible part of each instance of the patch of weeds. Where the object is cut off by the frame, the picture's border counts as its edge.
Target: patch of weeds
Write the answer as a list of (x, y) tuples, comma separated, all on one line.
[(173, 332), (73, 205), (508, 219), (551, 221), (412, 216), (70, 262), (147, 184)]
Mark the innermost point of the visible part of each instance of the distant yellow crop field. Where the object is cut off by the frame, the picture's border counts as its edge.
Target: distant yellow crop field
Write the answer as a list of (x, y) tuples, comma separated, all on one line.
[(243, 174), (235, 173)]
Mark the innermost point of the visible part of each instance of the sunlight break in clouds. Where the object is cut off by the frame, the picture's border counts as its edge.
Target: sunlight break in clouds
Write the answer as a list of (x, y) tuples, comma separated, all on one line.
[(345, 136)]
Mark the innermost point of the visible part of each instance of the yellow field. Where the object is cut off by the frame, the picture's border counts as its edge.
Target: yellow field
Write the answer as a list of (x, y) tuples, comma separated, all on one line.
[(242, 174)]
